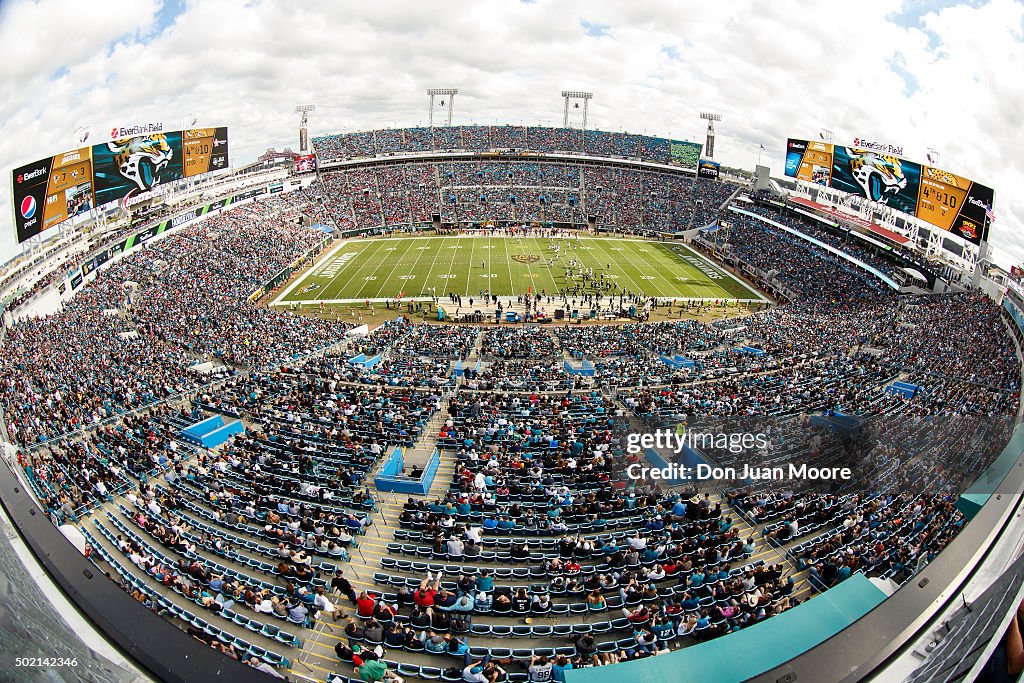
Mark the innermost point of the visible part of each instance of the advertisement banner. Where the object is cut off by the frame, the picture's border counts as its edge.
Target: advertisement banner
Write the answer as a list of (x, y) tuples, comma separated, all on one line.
[(217, 204), (305, 163), (249, 194), (809, 161), (706, 168)]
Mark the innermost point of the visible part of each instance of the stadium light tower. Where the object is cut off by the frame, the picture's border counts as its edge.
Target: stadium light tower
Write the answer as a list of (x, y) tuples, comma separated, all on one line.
[(709, 147), (82, 134), (304, 109), (576, 95), (826, 135), (189, 121), (450, 93)]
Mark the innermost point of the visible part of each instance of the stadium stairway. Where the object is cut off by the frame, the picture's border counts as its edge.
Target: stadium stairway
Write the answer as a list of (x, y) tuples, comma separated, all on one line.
[(424, 447), (317, 658), (474, 353)]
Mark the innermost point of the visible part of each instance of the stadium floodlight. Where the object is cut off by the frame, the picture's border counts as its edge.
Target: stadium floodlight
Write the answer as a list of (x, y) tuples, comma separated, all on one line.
[(189, 121), (575, 95), (450, 93), (304, 109), (82, 133), (709, 146)]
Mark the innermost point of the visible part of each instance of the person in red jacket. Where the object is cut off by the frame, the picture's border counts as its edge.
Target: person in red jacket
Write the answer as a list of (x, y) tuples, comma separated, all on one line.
[(424, 595), (365, 604)]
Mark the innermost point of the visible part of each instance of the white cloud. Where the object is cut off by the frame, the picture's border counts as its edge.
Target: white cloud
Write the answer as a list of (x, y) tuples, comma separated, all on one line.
[(771, 69)]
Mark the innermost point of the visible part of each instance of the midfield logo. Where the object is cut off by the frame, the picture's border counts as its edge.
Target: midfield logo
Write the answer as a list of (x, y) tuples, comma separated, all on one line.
[(526, 258)]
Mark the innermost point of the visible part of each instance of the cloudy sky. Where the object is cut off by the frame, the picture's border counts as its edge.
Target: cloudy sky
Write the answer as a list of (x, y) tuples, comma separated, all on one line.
[(945, 74)]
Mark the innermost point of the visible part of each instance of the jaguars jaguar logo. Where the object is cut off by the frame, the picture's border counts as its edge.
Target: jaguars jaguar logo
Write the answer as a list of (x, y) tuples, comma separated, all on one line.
[(942, 176), (877, 174), (526, 258), (143, 159)]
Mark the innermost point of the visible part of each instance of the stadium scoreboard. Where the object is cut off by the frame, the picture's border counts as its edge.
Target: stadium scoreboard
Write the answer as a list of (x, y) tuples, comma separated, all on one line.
[(204, 150), (686, 154), (50, 191), (946, 200), (953, 203), (305, 163)]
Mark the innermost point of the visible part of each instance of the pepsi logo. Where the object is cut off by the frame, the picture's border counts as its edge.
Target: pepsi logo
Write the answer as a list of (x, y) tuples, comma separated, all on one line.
[(28, 207)]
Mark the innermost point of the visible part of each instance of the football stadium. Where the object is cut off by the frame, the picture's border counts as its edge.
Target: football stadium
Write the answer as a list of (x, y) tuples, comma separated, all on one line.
[(505, 402)]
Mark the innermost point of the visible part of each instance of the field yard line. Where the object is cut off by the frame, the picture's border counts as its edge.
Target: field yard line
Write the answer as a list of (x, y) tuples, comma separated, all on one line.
[(529, 269), (508, 261), (611, 260), (432, 262), (454, 254), (633, 263), (358, 257), (687, 290), (387, 280), (562, 266), (684, 290), (472, 250), (543, 260), (379, 262), (363, 263), (757, 295), (416, 263), (694, 291)]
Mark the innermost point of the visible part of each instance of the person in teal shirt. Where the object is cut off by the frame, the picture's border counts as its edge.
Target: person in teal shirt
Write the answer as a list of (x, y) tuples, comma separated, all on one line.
[(485, 582), (559, 667)]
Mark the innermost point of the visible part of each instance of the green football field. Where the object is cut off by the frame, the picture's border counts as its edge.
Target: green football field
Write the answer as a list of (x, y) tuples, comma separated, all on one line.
[(468, 265)]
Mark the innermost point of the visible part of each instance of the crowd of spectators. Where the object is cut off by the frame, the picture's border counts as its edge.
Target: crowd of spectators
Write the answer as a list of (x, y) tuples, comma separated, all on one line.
[(129, 336), (517, 343), (538, 452), (475, 192), (485, 138)]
